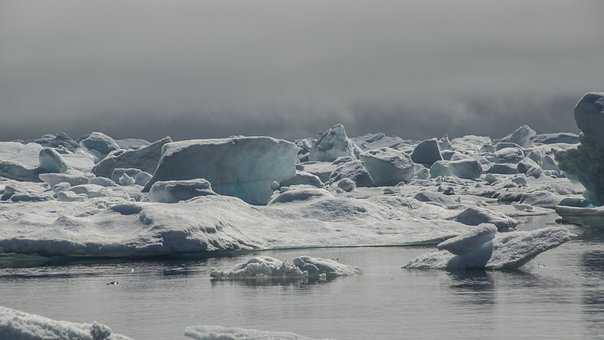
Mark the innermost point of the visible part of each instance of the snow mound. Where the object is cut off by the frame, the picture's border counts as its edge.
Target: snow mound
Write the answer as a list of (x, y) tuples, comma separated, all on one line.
[(16, 325), (245, 167), (233, 333), (509, 251)]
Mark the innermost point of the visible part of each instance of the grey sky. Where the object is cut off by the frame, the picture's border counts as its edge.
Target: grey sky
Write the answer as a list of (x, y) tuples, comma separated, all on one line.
[(289, 68)]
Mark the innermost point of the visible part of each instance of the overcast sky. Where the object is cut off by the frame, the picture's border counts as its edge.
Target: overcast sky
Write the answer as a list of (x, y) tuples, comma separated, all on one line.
[(290, 68)]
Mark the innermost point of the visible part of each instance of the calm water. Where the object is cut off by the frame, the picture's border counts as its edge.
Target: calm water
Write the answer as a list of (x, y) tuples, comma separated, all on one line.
[(560, 295)]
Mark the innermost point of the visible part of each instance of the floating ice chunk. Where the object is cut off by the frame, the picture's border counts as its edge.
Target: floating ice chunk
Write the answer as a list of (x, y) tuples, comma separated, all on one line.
[(387, 166), (51, 161), (176, 191), (259, 267), (467, 169), (470, 241), (476, 216), (509, 251), (521, 136), (145, 159), (332, 144), (100, 144), (245, 167), (426, 152), (16, 325), (233, 333), (302, 267), (315, 267)]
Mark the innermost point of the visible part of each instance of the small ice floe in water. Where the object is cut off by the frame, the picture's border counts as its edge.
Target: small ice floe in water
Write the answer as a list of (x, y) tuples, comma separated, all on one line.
[(233, 333), (485, 249), (16, 325), (303, 267)]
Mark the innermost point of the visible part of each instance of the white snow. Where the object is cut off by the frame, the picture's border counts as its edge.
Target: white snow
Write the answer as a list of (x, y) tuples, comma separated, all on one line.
[(17, 325)]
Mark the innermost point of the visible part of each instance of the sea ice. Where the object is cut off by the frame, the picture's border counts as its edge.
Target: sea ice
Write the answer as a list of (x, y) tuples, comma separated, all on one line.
[(233, 333), (521, 136), (332, 144), (145, 158), (426, 152), (387, 166), (245, 167), (176, 191), (17, 325), (509, 251)]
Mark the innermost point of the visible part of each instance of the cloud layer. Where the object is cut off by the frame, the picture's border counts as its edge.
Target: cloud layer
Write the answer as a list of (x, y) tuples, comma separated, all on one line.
[(210, 68)]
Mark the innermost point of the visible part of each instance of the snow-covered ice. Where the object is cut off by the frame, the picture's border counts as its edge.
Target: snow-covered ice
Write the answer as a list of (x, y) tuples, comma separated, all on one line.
[(17, 325)]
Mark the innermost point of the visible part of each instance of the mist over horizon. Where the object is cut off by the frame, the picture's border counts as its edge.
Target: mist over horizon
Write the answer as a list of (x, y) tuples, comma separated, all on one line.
[(202, 69)]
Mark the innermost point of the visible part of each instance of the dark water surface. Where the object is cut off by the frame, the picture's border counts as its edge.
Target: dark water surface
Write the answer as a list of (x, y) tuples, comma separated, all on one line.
[(560, 295)]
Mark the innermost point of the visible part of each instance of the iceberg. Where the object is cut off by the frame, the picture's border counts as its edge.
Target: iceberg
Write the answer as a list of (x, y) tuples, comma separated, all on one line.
[(245, 167)]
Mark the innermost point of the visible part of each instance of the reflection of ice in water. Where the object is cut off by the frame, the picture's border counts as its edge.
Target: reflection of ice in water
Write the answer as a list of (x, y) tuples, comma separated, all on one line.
[(592, 264)]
